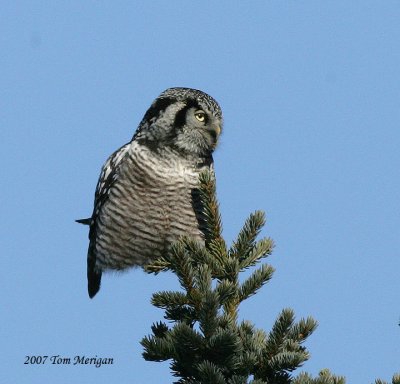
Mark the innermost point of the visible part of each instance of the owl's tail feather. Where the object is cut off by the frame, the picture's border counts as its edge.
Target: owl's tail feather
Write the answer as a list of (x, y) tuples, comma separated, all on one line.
[(94, 278), (84, 221)]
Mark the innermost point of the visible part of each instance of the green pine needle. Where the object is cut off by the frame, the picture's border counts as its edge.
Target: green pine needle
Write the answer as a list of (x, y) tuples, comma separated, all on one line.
[(158, 348), (166, 299), (303, 329), (247, 235), (159, 265), (210, 373), (279, 331), (226, 290), (258, 278), (159, 329), (324, 377), (210, 207), (287, 361), (261, 249), (395, 380), (202, 278), (208, 313), (223, 348)]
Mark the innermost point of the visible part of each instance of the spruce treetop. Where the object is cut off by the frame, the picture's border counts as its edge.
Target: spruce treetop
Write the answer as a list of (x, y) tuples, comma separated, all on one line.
[(202, 336)]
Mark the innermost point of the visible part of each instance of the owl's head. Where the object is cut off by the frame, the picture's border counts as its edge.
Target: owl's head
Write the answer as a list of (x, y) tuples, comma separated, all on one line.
[(185, 120)]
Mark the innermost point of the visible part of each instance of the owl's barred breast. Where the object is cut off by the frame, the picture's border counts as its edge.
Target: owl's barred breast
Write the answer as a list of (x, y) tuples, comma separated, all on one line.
[(149, 207)]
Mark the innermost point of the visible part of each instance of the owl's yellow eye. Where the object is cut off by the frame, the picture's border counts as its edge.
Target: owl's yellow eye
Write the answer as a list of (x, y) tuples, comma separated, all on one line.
[(201, 116)]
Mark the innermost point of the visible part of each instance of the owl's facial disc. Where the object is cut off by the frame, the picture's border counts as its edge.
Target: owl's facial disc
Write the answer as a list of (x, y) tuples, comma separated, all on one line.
[(209, 124), (185, 120), (199, 131)]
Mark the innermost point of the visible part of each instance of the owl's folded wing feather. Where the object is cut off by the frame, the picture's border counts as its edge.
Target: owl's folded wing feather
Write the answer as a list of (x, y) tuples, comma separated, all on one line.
[(108, 176)]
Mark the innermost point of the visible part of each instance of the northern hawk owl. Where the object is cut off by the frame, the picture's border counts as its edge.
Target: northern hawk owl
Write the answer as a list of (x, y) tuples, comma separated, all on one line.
[(146, 194)]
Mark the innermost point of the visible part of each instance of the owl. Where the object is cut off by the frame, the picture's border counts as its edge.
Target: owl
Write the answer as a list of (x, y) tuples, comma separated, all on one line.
[(146, 195)]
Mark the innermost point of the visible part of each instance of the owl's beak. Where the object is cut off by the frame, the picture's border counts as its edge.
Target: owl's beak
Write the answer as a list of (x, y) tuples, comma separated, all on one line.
[(213, 132)]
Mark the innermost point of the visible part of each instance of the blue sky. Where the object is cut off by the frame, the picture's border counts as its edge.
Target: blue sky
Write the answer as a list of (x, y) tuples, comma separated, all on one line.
[(310, 94)]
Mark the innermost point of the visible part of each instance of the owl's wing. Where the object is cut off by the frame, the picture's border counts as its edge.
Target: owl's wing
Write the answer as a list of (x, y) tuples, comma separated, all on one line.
[(108, 176)]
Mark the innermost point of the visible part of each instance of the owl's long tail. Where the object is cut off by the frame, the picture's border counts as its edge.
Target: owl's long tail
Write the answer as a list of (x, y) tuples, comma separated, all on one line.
[(93, 273), (93, 276)]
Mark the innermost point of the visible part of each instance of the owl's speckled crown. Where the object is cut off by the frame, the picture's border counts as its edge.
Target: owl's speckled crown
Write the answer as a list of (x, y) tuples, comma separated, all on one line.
[(181, 94)]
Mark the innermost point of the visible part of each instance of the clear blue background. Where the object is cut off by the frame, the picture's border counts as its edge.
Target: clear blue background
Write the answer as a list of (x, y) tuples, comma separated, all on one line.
[(310, 93)]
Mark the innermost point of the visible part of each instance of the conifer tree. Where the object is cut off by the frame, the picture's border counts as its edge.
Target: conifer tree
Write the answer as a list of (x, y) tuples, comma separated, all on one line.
[(203, 338), (395, 380)]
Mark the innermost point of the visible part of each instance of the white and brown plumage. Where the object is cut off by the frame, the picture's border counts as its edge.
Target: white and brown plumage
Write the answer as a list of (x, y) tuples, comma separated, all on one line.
[(146, 194)]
